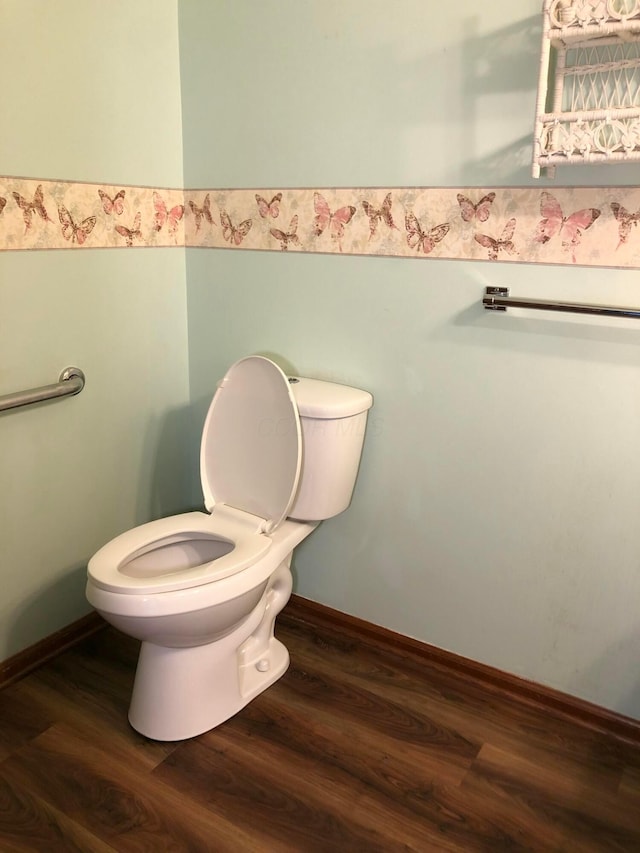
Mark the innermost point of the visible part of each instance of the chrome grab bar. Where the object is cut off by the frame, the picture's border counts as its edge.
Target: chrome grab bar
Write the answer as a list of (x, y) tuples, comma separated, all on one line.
[(498, 299), (71, 382)]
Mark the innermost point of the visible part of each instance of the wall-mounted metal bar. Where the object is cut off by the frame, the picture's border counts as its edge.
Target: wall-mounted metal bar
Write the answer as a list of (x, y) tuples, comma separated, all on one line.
[(498, 299), (71, 382)]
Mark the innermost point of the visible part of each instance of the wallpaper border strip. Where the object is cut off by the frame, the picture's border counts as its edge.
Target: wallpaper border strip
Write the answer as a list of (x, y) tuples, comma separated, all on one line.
[(590, 226)]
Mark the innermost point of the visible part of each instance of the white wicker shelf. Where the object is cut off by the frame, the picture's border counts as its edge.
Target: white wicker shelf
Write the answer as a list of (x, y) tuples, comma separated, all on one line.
[(588, 107)]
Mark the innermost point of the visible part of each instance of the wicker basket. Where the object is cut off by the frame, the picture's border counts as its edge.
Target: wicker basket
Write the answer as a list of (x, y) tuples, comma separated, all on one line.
[(589, 82)]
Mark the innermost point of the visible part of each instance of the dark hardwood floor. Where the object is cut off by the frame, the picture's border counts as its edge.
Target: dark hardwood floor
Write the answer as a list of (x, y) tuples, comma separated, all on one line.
[(357, 748)]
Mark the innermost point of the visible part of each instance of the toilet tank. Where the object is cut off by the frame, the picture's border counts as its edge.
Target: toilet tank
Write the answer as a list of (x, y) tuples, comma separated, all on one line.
[(333, 419)]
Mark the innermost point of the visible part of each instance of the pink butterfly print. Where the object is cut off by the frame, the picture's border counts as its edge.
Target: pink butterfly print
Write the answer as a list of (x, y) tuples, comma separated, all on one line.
[(269, 208), (287, 237), (70, 231), (112, 205), (203, 212), (382, 214), (570, 228), (234, 233), (335, 221), (626, 221), (163, 215), (131, 234), (503, 244), (3, 203), (425, 240), (28, 208), (480, 211)]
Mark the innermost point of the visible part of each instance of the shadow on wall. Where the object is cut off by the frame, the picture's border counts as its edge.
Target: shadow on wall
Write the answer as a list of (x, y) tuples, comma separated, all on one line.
[(501, 62), (170, 467), (591, 340), (53, 606), (509, 164), (495, 66)]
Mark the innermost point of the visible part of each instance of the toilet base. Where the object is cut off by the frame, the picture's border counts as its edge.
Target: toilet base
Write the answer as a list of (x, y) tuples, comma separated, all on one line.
[(187, 712), (179, 693), (254, 679)]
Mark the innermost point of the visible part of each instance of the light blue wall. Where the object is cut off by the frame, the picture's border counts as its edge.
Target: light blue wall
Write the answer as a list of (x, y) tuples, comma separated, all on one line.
[(496, 509), (90, 92), (286, 93)]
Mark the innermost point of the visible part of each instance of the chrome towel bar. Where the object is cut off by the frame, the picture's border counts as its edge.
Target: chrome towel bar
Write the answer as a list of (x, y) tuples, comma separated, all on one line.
[(71, 382), (498, 299)]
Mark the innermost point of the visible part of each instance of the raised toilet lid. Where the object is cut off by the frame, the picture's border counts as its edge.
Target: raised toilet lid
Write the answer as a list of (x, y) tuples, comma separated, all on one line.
[(251, 450)]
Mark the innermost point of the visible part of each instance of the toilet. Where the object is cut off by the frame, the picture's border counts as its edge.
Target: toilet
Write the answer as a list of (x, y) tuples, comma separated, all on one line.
[(202, 590)]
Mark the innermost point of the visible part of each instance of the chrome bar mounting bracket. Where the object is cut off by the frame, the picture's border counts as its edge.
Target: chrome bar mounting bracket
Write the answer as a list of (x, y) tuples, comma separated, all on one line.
[(495, 291)]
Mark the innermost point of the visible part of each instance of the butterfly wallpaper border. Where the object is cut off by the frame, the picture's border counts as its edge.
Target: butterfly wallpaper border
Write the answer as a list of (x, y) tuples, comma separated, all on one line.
[(590, 226)]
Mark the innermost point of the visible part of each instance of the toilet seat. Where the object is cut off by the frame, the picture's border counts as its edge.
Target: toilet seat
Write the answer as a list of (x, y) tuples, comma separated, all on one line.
[(251, 448), (108, 568), (250, 460)]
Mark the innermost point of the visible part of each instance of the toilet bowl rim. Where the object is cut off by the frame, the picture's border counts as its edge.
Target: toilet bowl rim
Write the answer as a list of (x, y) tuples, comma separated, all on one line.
[(181, 601), (249, 545)]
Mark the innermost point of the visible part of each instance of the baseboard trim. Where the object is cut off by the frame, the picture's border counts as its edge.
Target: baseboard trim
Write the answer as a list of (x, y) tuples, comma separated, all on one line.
[(577, 710), (20, 664), (311, 612)]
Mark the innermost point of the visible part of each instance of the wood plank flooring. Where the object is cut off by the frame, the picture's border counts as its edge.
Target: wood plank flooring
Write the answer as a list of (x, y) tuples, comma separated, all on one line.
[(357, 748)]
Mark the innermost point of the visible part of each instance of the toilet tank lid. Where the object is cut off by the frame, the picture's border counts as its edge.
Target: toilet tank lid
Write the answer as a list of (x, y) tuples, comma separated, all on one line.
[(316, 398)]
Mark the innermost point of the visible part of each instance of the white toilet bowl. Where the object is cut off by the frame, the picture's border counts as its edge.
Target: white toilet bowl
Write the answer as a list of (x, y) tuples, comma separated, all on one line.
[(202, 590), (207, 649)]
